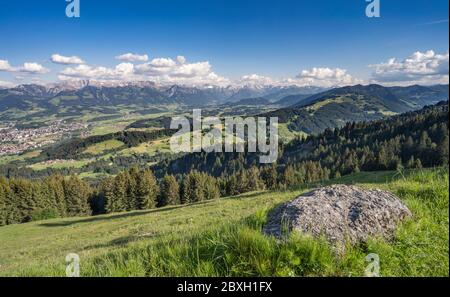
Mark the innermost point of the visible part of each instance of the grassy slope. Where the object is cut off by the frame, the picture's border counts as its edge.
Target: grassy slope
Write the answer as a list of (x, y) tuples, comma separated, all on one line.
[(223, 237), (101, 147)]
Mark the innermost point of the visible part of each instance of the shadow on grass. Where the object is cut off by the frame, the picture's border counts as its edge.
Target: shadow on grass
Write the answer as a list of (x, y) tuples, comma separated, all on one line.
[(119, 215), (247, 195), (122, 241)]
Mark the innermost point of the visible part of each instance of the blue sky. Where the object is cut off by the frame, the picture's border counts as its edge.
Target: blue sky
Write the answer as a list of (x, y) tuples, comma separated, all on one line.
[(276, 39)]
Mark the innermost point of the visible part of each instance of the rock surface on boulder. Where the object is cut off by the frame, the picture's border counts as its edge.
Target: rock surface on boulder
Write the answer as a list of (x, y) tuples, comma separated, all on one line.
[(341, 213)]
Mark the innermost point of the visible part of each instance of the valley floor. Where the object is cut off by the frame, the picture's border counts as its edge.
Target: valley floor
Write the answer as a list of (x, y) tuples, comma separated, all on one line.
[(223, 238)]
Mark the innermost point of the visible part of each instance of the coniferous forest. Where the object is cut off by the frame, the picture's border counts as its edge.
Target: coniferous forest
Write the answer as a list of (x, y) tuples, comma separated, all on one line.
[(411, 140)]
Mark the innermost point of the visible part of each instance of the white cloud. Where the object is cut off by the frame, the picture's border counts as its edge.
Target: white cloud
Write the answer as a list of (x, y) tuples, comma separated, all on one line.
[(255, 79), (58, 59), (317, 76), (28, 67), (5, 66), (123, 71), (33, 68), (159, 70), (130, 57), (162, 63), (181, 59), (200, 69), (419, 68), (166, 70), (6, 84), (326, 77)]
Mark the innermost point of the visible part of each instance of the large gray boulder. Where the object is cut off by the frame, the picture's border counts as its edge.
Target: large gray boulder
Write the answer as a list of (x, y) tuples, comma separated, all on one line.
[(341, 213)]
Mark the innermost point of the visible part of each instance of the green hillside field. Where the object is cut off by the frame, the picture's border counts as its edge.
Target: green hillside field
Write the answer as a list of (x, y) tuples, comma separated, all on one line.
[(223, 238)]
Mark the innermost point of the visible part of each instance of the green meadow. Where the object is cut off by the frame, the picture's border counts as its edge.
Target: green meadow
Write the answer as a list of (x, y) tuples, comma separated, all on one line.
[(223, 238)]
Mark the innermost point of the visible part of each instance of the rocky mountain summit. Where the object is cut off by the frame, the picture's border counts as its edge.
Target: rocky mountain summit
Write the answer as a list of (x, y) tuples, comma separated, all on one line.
[(341, 213)]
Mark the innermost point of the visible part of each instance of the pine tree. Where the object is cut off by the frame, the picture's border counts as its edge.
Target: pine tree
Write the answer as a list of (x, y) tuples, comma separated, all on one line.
[(55, 184), (3, 196), (198, 186), (232, 185), (147, 190), (243, 184), (11, 212), (443, 150), (211, 187), (46, 203), (24, 204), (77, 193), (170, 191), (118, 200), (255, 182), (192, 191), (270, 176), (289, 178), (107, 193), (132, 196)]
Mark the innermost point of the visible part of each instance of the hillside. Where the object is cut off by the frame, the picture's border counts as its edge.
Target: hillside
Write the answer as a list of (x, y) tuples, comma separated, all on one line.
[(384, 144), (250, 101), (292, 100), (334, 108), (180, 240)]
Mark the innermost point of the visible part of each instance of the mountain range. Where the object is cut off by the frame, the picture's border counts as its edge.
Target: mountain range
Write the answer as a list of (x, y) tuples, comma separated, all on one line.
[(303, 109), (335, 107), (141, 93)]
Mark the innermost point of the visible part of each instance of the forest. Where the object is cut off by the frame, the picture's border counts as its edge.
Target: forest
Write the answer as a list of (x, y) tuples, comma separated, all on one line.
[(411, 140)]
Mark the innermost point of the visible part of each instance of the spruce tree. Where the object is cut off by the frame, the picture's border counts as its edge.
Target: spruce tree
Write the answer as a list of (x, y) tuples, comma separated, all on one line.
[(119, 197), (270, 176), (192, 188), (211, 187), (108, 195), (289, 178), (169, 191), (132, 192), (255, 182), (77, 193), (147, 190), (56, 190), (3, 197), (22, 194)]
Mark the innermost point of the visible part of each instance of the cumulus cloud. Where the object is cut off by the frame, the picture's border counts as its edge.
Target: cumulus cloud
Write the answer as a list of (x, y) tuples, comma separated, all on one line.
[(200, 69), (255, 79), (325, 77), (163, 63), (123, 71), (58, 59), (33, 68), (130, 57), (5, 66), (419, 68), (27, 67), (159, 70), (180, 71), (319, 77)]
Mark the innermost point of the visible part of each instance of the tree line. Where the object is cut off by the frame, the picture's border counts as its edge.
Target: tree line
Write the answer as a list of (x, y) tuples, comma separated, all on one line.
[(413, 140), (56, 196)]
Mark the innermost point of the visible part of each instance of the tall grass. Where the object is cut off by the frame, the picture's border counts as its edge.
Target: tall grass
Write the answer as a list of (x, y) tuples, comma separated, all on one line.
[(420, 246)]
